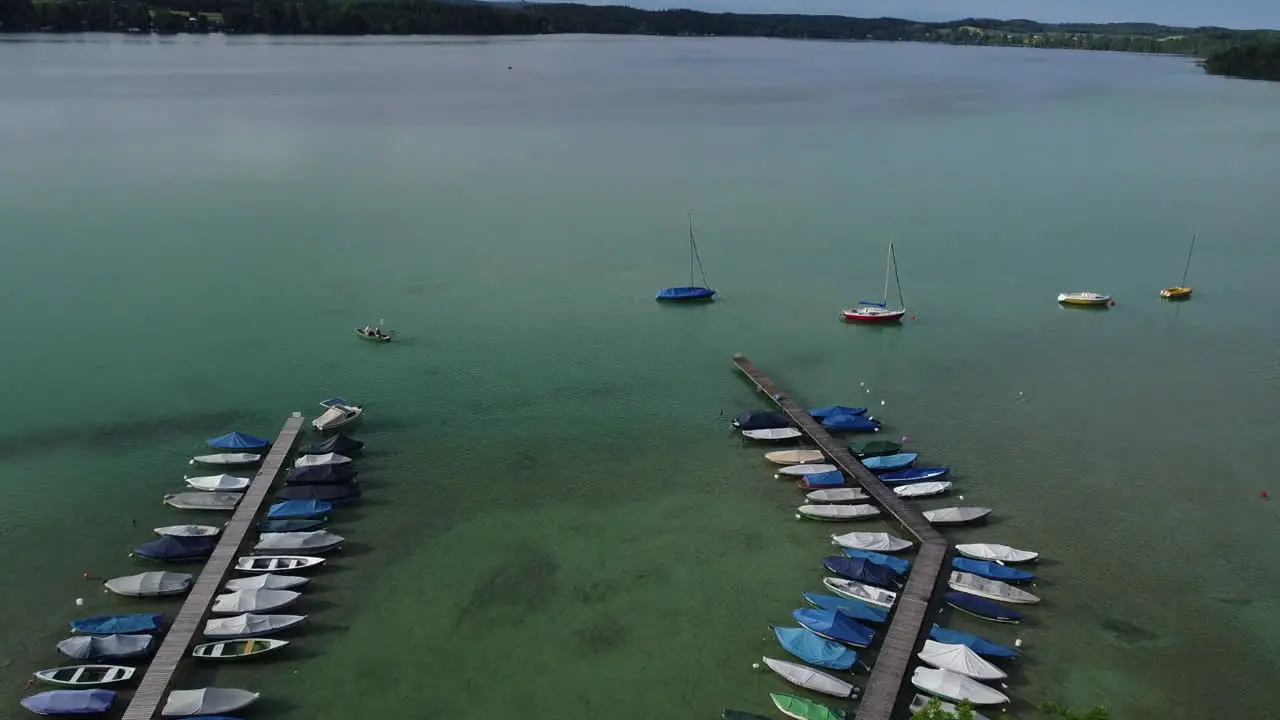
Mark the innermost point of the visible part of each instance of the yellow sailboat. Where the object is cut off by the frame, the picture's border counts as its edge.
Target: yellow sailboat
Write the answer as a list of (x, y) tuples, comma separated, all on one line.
[(1181, 292)]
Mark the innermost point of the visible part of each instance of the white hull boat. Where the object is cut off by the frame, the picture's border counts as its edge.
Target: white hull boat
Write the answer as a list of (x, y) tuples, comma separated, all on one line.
[(207, 701), (267, 581), (801, 470), (260, 601), (249, 625), (809, 679), (315, 541), (794, 457), (150, 584), (837, 495), (956, 515), (217, 501), (860, 591), (85, 676), (957, 687), (237, 649), (227, 459), (272, 563), (998, 553), (920, 490), (222, 483), (991, 589), (772, 434), (838, 513), (959, 659), (189, 530), (307, 461), (879, 542), (338, 413)]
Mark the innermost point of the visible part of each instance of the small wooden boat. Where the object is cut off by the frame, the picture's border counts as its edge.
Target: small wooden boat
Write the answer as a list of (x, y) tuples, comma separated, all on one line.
[(838, 513), (772, 434), (808, 678), (226, 483), (990, 589), (880, 312), (1089, 299), (273, 563), (227, 459), (837, 495), (189, 530), (216, 501), (794, 457), (802, 709), (999, 553), (237, 649), (862, 592), (1181, 292), (207, 701), (249, 625), (809, 469), (956, 515), (267, 581), (86, 675), (919, 490)]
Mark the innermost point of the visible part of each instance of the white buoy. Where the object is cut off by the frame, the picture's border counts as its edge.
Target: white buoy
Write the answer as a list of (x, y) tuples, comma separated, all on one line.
[(961, 497), (798, 516), (882, 402), (861, 384), (776, 476), (79, 602), (755, 666), (868, 389), (1017, 643)]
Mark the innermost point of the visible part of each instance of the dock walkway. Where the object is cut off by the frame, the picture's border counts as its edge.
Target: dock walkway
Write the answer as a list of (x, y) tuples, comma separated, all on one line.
[(880, 697), (157, 681)]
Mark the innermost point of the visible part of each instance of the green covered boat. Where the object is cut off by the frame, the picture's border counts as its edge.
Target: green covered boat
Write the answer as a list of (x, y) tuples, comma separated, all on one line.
[(801, 709), (872, 448)]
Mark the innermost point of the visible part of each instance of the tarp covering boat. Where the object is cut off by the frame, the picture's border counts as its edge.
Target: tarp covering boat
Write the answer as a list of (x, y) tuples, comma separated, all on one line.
[(913, 475), (880, 542), (999, 553), (268, 581), (227, 459), (228, 483), (119, 624), (206, 701), (973, 642), (70, 702), (203, 500), (761, 420), (772, 434), (238, 441), (830, 410), (328, 493), (954, 686), (859, 611), (677, 294), (992, 570), (958, 658), (108, 647), (837, 495), (862, 570), (340, 443), (982, 607), (277, 526), (299, 509), (815, 650), (307, 461), (834, 512), (808, 469), (872, 448), (956, 515), (322, 475), (189, 530), (851, 423), (990, 589), (822, 480), (794, 457), (313, 541), (249, 625), (889, 463), (897, 565), (253, 600), (150, 584), (808, 678), (177, 548), (924, 489), (834, 625)]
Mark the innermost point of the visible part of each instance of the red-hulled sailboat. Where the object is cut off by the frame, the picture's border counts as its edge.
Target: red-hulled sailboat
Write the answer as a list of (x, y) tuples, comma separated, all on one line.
[(873, 312)]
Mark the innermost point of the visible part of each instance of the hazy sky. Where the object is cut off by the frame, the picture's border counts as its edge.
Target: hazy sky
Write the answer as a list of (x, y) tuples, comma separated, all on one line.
[(1227, 13)]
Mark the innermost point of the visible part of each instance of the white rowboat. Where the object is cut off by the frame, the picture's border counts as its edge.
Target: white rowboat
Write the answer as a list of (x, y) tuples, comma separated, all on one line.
[(188, 530), (272, 563), (772, 434), (242, 601), (837, 495), (85, 675), (808, 678), (998, 553), (227, 459), (990, 589), (838, 512), (218, 501), (954, 686), (860, 591)]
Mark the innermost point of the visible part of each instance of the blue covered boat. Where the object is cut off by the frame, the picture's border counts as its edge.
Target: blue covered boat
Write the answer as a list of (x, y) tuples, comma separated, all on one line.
[(292, 509), (70, 702), (691, 292), (815, 650), (322, 475), (822, 480), (982, 607), (898, 565), (862, 570), (291, 525), (238, 441), (992, 570), (888, 463), (340, 493), (973, 642), (177, 548), (118, 624), (830, 410), (913, 475), (851, 423), (834, 625), (854, 609), (761, 420)]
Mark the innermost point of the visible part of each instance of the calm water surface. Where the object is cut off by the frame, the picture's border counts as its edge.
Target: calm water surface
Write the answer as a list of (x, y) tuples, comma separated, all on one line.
[(559, 523)]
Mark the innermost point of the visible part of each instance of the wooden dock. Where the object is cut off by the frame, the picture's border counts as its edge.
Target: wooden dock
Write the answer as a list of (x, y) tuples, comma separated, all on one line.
[(897, 651), (156, 683)]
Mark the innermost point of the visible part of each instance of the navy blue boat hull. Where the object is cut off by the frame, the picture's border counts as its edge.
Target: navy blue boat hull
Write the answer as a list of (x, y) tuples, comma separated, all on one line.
[(983, 647), (685, 294), (861, 570), (914, 475), (991, 570), (982, 607)]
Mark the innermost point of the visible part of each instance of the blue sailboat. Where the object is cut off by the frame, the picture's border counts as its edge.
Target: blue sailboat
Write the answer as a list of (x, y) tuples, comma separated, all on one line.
[(691, 292), (830, 410), (992, 570), (973, 642), (852, 608), (822, 480), (118, 624), (297, 509), (834, 625), (889, 463), (861, 570), (898, 565), (851, 423), (982, 607), (70, 702), (914, 475), (238, 441), (815, 650)]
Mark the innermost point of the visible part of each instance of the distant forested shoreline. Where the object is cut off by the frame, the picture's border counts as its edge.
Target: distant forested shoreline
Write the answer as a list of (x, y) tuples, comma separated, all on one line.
[(1241, 53)]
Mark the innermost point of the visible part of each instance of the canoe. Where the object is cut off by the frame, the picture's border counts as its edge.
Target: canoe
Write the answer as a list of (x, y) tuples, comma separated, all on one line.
[(837, 495), (979, 645), (189, 530), (802, 709), (70, 702), (861, 570), (808, 678), (919, 490), (990, 589), (861, 592), (956, 515), (954, 686), (772, 434), (959, 658), (299, 509), (237, 649), (982, 608), (828, 411), (206, 701), (761, 420), (257, 600), (815, 650), (794, 457), (118, 624), (314, 541), (307, 461), (887, 463), (898, 565), (273, 526), (86, 675), (173, 548), (844, 422), (880, 542), (324, 493), (991, 570), (217, 501), (838, 513), (999, 553), (272, 563), (872, 448), (811, 469), (150, 584), (919, 702), (859, 611), (914, 475), (322, 475), (108, 647), (834, 625), (266, 581), (222, 483), (833, 479), (226, 459), (340, 443), (238, 441), (249, 625), (1084, 298)]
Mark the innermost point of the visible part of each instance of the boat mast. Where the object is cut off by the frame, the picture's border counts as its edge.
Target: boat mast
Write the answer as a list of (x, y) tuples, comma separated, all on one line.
[(902, 303), (1187, 269), (695, 257), (888, 262)]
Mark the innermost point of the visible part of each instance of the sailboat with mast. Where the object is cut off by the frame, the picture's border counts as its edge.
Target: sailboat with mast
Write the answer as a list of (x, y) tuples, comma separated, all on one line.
[(690, 292), (1181, 292), (880, 312)]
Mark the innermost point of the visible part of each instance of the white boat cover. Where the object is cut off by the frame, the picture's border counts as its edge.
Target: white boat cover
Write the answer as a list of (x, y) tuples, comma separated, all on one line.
[(313, 540), (772, 434), (149, 584), (999, 553), (206, 701), (219, 482), (993, 589), (794, 457), (808, 678), (921, 489), (919, 701), (188, 530), (88, 647), (959, 659), (836, 495), (798, 470), (954, 686), (267, 581), (244, 601), (860, 591), (204, 500), (880, 542), (248, 625), (839, 512), (317, 460), (955, 515), (227, 459)]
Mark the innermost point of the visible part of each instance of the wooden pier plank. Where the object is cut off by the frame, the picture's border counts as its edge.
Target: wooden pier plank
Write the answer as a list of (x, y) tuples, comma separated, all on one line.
[(155, 684)]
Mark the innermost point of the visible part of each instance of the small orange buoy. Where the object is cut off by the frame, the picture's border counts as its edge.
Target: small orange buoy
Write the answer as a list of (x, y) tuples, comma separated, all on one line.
[(86, 576), (1113, 303), (913, 316)]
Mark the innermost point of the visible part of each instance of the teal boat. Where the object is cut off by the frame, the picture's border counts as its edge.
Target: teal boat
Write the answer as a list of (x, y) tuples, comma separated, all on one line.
[(801, 709)]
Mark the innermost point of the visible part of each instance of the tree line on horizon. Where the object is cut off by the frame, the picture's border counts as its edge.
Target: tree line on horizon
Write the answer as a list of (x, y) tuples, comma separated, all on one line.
[(1244, 53)]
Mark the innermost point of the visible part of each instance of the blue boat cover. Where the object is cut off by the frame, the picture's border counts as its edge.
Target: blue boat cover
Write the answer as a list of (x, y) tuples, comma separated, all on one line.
[(291, 525), (339, 493), (823, 480), (860, 569), (685, 293), (174, 547), (238, 441), (761, 420), (815, 650), (898, 565), (854, 423), (298, 509), (113, 624), (70, 702), (913, 475), (322, 475), (852, 608), (886, 463), (834, 625), (993, 570), (982, 607), (973, 642), (110, 647), (836, 410)]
